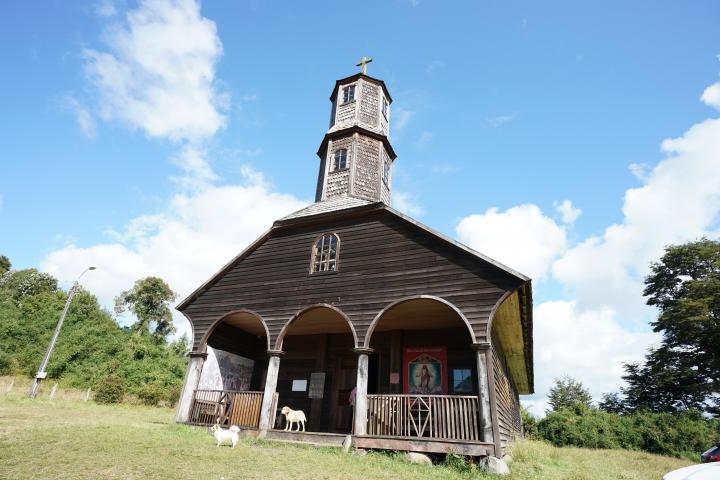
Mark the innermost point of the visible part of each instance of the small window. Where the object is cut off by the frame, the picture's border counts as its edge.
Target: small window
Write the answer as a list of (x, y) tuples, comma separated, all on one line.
[(462, 380), (386, 171), (325, 254), (384, 106), (340, 160), (349, 94)]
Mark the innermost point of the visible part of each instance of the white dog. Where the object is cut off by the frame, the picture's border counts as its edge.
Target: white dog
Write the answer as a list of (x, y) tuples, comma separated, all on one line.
[(231, 435), (293, 416)]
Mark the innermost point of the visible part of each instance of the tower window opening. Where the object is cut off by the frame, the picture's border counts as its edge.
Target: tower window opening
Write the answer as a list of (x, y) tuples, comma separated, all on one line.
[(349, 94), (386, 171), (340, 160), (325, 254), (384, 107)]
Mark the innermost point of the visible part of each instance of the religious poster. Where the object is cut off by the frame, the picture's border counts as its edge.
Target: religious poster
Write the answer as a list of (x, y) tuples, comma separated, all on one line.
[(225, 371), (425, 371)]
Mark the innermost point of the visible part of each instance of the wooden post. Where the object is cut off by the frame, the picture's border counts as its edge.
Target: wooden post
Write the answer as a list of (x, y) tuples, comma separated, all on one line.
[(87, 395), (10, 387), (52, 392), (486, 429), (267, 413), (361, 402), (192, 378)]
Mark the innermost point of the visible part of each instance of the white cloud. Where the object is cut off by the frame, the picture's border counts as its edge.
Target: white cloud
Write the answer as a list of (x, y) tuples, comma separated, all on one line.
[(425, 138), (711, 95), (406, 203), (83, 116), (434, 65), (184, 244), (401, 117), (589, 345), (500, 120), (105, 8), (568, 212), (679, 201), (159, 72), (520, 237), (197, 171)]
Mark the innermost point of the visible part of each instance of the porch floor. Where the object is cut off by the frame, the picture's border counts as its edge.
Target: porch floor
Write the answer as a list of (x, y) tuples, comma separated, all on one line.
[(409, 444)]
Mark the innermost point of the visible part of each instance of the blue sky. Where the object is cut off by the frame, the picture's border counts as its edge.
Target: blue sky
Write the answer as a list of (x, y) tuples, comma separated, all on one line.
[(502, 111)]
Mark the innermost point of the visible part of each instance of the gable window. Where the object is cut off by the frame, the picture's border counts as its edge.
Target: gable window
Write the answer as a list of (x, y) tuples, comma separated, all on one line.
[(386, 171), (325, 254), (340, 160), (349, 94)]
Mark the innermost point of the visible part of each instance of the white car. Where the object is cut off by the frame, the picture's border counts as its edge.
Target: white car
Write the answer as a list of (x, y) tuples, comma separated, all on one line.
[(704, 471)]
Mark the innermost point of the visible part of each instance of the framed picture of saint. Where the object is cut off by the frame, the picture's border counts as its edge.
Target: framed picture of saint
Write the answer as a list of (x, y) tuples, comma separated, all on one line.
[(425, 371)]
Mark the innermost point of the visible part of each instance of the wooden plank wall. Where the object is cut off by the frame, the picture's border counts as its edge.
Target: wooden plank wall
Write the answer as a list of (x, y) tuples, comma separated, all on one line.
[(382, 259), (508, 401)]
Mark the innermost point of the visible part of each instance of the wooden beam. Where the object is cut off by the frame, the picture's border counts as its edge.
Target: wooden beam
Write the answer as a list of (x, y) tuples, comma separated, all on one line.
[(192, 378), (431, 446), (267, 415)]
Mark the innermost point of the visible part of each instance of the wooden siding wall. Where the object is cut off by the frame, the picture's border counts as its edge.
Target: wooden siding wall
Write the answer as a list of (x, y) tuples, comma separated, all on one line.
[(508, 401), (382, 259)]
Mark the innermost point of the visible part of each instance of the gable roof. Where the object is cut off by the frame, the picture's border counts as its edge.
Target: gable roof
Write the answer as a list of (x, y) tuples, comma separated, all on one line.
[(344, 207)]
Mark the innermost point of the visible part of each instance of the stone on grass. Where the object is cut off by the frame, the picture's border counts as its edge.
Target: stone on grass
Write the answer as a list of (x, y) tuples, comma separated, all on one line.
[(494, 466), (420, 458), (507, 458), (360, 452)]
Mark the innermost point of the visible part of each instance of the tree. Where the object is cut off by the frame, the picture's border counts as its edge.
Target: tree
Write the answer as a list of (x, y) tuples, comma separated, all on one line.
[(684, 372), (5, 264), (149, 300), (612, 403), (567, 392)]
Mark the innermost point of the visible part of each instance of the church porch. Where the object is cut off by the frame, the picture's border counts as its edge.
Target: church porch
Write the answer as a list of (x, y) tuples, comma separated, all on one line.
[(420, 374)]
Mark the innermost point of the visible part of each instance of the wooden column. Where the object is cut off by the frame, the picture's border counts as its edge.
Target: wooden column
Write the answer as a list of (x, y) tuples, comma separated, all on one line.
[(486, 427), (267, 415), (190, 384), (361, 405)]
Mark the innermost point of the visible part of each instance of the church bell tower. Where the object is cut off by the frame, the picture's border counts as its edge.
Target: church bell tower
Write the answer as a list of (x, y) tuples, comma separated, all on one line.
[(356, 156)]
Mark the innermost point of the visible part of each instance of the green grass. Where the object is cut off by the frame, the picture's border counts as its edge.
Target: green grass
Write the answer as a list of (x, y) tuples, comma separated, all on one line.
[(74, 440)]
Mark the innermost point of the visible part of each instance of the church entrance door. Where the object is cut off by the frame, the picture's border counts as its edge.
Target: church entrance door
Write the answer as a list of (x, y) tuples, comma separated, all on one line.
[(344, 378)]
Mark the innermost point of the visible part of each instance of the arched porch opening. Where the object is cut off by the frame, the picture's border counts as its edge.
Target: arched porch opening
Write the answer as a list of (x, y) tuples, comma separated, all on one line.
[(318, 368), (426, 382), (233, 370)]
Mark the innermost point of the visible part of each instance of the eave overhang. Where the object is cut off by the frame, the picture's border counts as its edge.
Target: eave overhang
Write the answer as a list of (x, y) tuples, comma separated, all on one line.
[(353, 129), (357, 76)]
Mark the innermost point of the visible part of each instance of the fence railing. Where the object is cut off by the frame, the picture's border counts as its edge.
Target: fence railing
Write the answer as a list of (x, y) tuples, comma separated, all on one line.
[(426, 416), (241, 408)]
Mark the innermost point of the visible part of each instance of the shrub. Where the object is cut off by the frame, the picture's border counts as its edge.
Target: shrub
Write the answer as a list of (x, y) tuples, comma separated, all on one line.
[(152, 393), (529, 423), (680, 435), (111, 389)]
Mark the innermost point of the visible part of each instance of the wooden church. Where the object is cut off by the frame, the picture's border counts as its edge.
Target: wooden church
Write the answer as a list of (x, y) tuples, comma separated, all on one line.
[(382, 331)]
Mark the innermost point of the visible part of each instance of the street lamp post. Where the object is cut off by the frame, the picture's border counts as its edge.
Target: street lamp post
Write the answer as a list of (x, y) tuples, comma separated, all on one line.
[(41, 374)]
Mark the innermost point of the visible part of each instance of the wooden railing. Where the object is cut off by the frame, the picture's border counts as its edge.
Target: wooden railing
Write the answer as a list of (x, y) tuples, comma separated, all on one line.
[(426, 416), (229, 407)]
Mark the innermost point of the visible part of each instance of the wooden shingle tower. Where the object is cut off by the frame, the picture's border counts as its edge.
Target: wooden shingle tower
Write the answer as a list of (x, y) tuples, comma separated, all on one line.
[(355, 154)]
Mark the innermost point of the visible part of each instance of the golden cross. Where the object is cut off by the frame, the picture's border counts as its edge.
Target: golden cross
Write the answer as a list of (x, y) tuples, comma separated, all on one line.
[(363, 63)]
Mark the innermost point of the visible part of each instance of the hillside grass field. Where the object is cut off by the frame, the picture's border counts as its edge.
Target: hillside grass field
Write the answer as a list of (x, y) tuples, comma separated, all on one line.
[(45, 439)]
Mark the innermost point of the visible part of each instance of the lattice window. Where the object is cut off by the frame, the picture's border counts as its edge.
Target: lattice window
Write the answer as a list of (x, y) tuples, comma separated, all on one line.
[(384, 106), (325, 254), (340, 160), (349, 94)]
